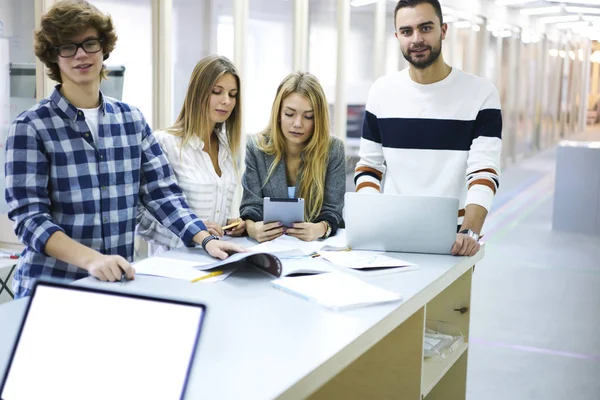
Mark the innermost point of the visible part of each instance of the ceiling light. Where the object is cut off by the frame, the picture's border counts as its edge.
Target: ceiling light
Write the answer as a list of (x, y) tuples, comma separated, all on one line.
[(512, 2), (449, 18), (585, 2), (560, 18), (502, 33), (582, 10), (541, 10), (462, 24), (572, 25), (358, 3)]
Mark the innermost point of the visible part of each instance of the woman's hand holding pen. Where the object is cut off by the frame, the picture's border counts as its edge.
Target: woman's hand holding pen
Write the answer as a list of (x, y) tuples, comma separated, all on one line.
[(109, 268), (262, 232), (235, 227)]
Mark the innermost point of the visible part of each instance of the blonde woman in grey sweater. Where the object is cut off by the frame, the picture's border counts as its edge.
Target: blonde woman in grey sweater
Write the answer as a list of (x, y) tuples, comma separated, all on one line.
[(295, 156)]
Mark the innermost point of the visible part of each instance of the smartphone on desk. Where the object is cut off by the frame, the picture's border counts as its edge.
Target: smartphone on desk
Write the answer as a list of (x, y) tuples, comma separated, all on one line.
[(283, 209)]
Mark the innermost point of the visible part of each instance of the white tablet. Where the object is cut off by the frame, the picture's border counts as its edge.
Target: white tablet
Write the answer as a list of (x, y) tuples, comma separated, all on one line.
[(284, 210)]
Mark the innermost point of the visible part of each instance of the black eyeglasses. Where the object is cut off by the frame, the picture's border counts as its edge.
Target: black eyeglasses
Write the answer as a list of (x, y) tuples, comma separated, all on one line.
[(70, 49)]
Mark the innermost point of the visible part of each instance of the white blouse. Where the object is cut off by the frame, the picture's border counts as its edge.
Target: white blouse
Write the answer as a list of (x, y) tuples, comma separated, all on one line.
[(210, 196)]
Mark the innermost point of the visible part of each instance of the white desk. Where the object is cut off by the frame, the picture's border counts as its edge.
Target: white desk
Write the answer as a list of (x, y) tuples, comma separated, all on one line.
[(261, 343)]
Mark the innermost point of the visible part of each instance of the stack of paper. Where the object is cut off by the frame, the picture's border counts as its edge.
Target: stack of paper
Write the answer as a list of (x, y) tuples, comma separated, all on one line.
[(336, 290)]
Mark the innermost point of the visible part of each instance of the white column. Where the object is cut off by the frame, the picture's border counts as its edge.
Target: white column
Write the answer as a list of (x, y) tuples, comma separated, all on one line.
[(43, 84), (240, 26), (341, 103), (300, 54), (585, 83), (380, 39), (162, 74), (595, 78)]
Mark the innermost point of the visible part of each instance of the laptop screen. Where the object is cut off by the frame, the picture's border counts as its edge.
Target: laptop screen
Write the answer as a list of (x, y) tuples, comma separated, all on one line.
[(78, 343)]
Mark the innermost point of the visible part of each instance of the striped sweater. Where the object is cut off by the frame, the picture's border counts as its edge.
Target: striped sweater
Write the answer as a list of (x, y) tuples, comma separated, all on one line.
[(441, 139)]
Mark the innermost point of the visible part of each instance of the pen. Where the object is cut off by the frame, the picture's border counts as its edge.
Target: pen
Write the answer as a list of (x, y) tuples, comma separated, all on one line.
[(212, 274), (232, 225)]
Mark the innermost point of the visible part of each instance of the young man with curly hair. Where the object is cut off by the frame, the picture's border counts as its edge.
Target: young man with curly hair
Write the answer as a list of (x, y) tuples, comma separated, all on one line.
[(78, 163)]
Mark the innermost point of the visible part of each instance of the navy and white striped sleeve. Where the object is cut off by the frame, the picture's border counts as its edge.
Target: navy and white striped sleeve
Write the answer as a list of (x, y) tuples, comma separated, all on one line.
[(483, 164), (26, 170), (370, 168)]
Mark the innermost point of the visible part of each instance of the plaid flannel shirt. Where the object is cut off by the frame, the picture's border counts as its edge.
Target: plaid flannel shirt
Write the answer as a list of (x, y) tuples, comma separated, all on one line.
[(59, 179)]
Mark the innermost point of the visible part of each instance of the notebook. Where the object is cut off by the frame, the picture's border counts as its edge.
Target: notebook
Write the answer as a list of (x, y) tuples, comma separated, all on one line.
[(336, 290), (77, 342)]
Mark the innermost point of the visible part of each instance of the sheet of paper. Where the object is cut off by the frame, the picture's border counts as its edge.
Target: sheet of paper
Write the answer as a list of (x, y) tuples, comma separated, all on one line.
[(336, 290), (358, 259), (305, 265), (288, 246), (169, 268)]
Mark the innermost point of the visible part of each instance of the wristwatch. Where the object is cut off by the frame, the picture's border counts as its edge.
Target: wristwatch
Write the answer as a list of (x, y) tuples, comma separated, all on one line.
[(471, 233), (327, 231)]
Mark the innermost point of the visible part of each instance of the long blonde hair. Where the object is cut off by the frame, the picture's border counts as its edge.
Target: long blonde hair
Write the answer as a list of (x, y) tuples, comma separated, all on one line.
[(194, 117), (316, 151)]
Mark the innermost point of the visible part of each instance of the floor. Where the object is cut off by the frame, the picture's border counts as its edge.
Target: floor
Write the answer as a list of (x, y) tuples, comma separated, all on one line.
[(535, 322)]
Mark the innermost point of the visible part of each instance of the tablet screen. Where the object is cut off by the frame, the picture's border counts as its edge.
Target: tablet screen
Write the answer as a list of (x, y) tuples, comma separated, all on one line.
[(84, 344)]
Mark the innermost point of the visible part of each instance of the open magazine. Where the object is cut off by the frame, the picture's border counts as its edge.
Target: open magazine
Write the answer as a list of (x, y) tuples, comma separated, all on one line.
[(289, 264), (265, 262)]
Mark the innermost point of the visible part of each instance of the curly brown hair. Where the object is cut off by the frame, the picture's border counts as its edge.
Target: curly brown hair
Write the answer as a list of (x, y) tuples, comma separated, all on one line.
[(67, 19)]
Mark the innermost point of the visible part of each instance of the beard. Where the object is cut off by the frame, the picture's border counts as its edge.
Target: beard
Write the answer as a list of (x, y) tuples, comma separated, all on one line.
[(422, 63)]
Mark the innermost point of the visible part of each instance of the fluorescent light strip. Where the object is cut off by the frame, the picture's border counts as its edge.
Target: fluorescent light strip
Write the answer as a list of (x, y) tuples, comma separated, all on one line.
[(462, 24), (358, 3), (585, 2), (512, 2), (560, 18), (572, 25), (541, 10), (582, 10)]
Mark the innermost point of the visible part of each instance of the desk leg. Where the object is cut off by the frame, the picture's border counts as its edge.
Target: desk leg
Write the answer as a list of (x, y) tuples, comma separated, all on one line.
[(391, 369)]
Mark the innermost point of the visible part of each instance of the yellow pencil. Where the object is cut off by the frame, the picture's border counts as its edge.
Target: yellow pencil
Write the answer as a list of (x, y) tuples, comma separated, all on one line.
[(212, 274)]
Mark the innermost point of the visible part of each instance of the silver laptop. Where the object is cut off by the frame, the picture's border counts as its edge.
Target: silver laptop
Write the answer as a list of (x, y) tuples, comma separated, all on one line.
[(82, 343), (403, 223)]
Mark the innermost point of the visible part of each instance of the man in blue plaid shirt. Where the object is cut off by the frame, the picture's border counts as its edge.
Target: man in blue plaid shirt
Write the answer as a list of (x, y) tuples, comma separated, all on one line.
[(78, 163)]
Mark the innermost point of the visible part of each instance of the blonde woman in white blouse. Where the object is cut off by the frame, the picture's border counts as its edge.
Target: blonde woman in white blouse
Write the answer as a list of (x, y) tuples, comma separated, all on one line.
[(202, 147)]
